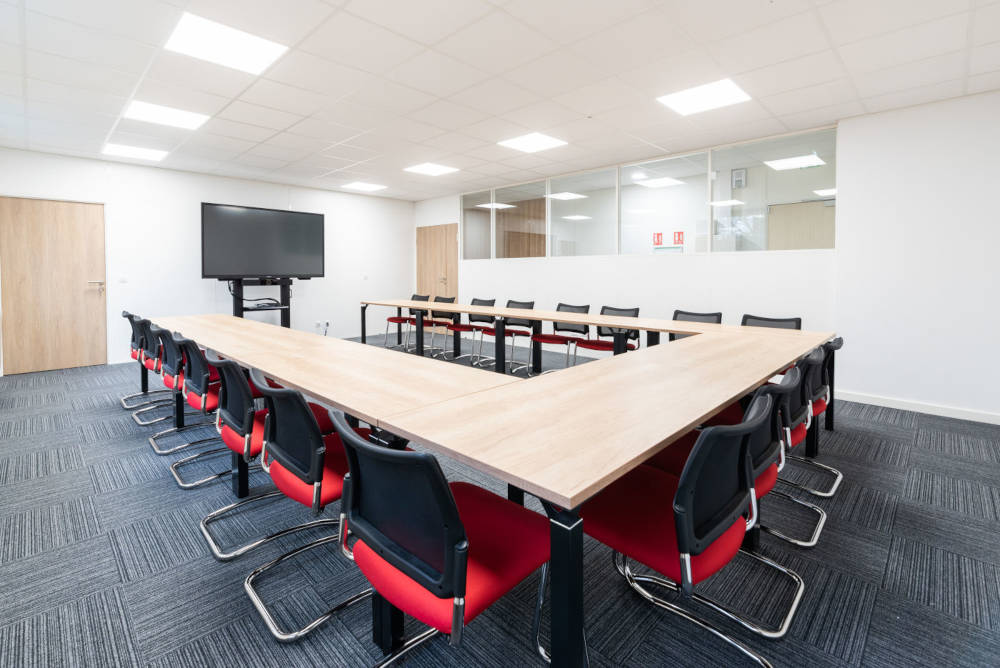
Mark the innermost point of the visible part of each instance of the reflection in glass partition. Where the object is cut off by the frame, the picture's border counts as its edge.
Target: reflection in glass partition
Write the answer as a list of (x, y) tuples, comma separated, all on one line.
[(520, 220), (583, 213), (664, 208), (476, 226)]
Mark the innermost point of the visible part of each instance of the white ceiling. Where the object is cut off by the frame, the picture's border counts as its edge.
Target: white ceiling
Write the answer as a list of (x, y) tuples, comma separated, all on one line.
[(371, 86)]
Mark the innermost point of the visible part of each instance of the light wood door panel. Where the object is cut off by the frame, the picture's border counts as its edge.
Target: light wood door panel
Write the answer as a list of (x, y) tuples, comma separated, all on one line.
[(52, 290), (801, 225), (437, 260)]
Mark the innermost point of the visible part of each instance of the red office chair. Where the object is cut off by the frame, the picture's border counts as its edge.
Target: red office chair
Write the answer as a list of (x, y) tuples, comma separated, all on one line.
[(135, 349), (320, 412), (571, 333), (305, 466), (151, 357), (407, 320), (608, 345), (437, 320), (440, 553), (689, 528), (513, 328), (477, 323)]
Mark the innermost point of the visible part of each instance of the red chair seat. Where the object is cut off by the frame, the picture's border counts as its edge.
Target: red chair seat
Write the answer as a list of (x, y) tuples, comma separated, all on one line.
[(334, 469), (489, 331), (460, 328), (173, 382), (673, 457), (135, 353), (766, 481), (436, 323), (211, 398), (601, 344), (731, 414), (635, 516), (398, 319), (798, 435), (506, 544), (819, 406), (235, 442), (555, 338), (152, 363), (322, 418)]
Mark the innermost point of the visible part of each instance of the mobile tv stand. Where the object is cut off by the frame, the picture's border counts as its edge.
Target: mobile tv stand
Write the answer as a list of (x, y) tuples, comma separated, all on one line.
[(285, 306)]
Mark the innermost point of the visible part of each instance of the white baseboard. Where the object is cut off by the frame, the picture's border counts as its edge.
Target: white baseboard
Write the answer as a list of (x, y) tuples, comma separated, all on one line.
[(919, 407)]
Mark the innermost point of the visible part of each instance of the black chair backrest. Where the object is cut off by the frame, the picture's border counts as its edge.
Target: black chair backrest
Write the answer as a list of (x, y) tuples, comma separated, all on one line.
[(798, 402), (150, 343), (813, 386), (765, 444), (691, 316), (569, 327), (173, 356), (291, 434), (829, 348), (197, 372), (136, 337), (714, 487), (519, 322), (417, 298), (444, 315), (236, 409), (398, 502), (777, 323), (482, 302), (625, 312)]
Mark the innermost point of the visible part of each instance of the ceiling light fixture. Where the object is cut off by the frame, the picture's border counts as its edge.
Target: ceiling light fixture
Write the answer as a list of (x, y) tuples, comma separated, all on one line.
[(661, 182), (798, 162), (156, 113), (566, 195), (222, 45), (638, 176), (137, 152), (576, 217), (727, 202), (532, 143), (826, 192), (430, 169), (363, 187), (496, 205), (713, 95)]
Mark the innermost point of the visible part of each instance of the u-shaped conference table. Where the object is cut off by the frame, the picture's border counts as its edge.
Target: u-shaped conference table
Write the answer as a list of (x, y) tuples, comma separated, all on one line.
[(562, 437)]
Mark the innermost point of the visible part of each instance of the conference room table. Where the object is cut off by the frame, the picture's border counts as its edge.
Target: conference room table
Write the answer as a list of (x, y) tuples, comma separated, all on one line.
[(562, 437)]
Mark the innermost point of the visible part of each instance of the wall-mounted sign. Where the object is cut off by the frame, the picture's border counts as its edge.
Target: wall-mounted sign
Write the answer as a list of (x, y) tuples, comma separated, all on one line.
[(657, 238), (678, 238)]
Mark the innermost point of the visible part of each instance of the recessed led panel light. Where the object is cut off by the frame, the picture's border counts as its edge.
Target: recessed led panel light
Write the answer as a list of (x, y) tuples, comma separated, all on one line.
[(638, 176), (826, 192), (496, 205), (566, 195), (532, 143), (430, 169), (661, 182), (222, 45), (124, 151), (727, 202), (798, 162), (363, 187), (713, 95), (576, 217), (156, 113)]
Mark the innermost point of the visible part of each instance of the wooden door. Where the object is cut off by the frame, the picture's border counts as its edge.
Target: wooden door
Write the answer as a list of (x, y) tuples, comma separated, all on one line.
[(437, 260), (52, 298)]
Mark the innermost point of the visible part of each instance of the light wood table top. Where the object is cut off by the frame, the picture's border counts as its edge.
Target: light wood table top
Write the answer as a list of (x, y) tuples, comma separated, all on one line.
[(369, 382)]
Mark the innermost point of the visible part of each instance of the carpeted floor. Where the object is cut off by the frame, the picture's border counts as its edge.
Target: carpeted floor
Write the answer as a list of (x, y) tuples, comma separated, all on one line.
[(102, 563)]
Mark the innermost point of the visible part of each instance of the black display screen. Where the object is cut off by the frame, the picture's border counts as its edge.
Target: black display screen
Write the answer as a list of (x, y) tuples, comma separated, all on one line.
[(246, 242)]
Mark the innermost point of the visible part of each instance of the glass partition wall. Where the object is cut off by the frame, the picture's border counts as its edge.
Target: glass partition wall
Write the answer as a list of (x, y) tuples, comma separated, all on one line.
[(772, 194)]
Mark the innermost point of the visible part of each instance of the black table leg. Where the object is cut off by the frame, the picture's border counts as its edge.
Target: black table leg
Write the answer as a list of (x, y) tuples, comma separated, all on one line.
[(420, 333), (178, 410), (621, 338), (364, 324), (387, 624), (536, 348), (143, 378), (240, 476), (399, 327), (515, 494), (566, 535), (812, 439), (456, 338), (828, 416), (652, 339), (500, 347)]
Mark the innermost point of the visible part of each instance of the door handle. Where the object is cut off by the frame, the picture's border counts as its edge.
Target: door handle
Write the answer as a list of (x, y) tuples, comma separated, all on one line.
[(100, 286), (101, 282)]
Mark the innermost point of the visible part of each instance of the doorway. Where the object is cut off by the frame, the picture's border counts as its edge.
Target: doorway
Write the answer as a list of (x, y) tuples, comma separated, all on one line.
[(437, 260)]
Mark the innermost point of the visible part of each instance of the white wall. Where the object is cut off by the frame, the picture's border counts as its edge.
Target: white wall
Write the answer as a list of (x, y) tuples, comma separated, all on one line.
[(918, 238), (438, 211), (153, 240)]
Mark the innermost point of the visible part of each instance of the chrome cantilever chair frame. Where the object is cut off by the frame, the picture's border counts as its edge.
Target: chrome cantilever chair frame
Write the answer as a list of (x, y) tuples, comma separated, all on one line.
[(838, 477)]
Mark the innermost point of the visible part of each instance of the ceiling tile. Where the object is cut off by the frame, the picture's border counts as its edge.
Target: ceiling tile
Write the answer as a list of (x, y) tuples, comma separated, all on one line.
[(351, 114), (72, 41), (984, 82), (598, 97), (454, 142), (912, 75), (227, 128), (426, 21), (283, 97), (851, 20), (708, 20), (906, 98), (495, 96), (258, 162), (180, 97), (10, 24), (181, 70), (349, 40), (495, 43), (783, 40), (789, 75), (316, 74), (823, 116), (161, 143), (12, 106), (408, 129), (662, 76), (566, 21), (170, 135), (352, 154), (11, 85), (268, 150), (254, 114), (986, 24), (285, 22), (558, 72), (10, 58), (208, 141), (325, 131), (294, 141), (495, 129), (542, 115), (147, 21), (810, 97), (389, 97), (906, 45), (985, 58), (651, 36), (47, 67), (74, 98), (437, 74), (448, 115)]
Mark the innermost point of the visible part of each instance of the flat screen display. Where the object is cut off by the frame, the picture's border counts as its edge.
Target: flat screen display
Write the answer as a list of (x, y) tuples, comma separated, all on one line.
[(247, 242)]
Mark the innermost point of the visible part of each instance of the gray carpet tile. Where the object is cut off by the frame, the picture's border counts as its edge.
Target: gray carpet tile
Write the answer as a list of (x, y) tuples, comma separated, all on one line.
[(103, 563)]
